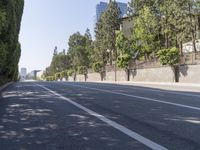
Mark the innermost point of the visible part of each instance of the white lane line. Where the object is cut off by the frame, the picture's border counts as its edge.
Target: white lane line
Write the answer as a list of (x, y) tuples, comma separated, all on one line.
[(156, 90), (115, 125), (170, 92), (140, 97)]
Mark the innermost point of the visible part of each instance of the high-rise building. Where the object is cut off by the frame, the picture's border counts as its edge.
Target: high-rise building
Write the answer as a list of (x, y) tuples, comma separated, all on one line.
[(123, 9), (101, 7)]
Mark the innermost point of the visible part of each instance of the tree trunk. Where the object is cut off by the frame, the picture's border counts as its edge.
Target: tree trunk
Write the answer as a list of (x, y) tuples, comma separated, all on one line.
[(85, 76), (127, 74), (111, 58), (146, 57), (74, 77), (101, 74), (194, 43), (176, 73), (180, 46), (193, 30), (194, 46), (166, 41)]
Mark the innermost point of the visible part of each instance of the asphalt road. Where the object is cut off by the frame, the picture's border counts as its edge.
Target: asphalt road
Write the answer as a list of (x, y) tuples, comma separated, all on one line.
[(91, 116)]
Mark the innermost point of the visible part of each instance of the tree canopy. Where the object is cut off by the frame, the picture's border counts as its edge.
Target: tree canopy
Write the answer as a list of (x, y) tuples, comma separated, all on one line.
[(10, 19), (160, 27)]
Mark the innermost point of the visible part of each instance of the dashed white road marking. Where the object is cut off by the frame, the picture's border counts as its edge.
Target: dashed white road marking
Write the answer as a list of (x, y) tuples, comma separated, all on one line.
[(115, 125)]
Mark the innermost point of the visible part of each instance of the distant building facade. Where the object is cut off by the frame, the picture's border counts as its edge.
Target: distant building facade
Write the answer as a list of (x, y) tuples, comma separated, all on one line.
[(102, 6), (127, 26), (23, 73)]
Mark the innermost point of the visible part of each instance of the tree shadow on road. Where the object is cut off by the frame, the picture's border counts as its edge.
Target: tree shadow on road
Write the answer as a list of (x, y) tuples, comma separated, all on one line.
[(32, 118), (166, 122)]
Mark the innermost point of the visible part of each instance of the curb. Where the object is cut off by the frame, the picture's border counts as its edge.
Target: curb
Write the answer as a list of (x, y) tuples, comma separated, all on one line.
[(5, 86)]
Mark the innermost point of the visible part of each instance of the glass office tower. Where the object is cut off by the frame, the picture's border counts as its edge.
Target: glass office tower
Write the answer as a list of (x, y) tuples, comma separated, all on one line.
[(101, 7)]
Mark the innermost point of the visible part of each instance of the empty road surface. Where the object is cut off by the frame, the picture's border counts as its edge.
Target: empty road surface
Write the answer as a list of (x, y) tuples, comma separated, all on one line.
[(91, 116)]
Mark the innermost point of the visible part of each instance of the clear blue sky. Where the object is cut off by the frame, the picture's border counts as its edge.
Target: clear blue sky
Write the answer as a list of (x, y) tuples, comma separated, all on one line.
[(49, 23)]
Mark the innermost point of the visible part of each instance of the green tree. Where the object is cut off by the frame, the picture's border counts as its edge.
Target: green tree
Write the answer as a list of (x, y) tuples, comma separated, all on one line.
[(124, 51), (58, 76), (175, 22), (135, 6), (179, 22), (111, 23), (145, 32), (100, 53), (10, 20), (83, 70), (170, 57), (2, 20), (89, 48), (193, 15), (105, 34), (78, 51), (64, 74), (99, 68)]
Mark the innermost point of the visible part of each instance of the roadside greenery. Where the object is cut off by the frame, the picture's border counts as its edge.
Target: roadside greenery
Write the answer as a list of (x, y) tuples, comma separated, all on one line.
[(160, 27), (10, 50), (124, 51), (171, 57)]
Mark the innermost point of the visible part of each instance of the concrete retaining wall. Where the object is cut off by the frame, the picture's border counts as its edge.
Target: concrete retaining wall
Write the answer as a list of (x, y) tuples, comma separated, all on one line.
[(188, 74), (120, 76), (93, 77), (70, 79), (164, 74), (80, 78)]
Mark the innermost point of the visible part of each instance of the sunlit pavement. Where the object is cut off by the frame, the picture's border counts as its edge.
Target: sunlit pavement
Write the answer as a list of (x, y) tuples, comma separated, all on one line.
[(38, 115)]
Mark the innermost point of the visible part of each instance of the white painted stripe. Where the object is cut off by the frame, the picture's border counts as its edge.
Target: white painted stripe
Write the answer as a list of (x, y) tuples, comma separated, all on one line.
[(141, 98), (145, 88), (173, 92), (115, 125)]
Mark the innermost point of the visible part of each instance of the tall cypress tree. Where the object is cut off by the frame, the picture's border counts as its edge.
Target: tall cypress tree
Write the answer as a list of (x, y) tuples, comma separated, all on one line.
[(111, 22), (9, 44)]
